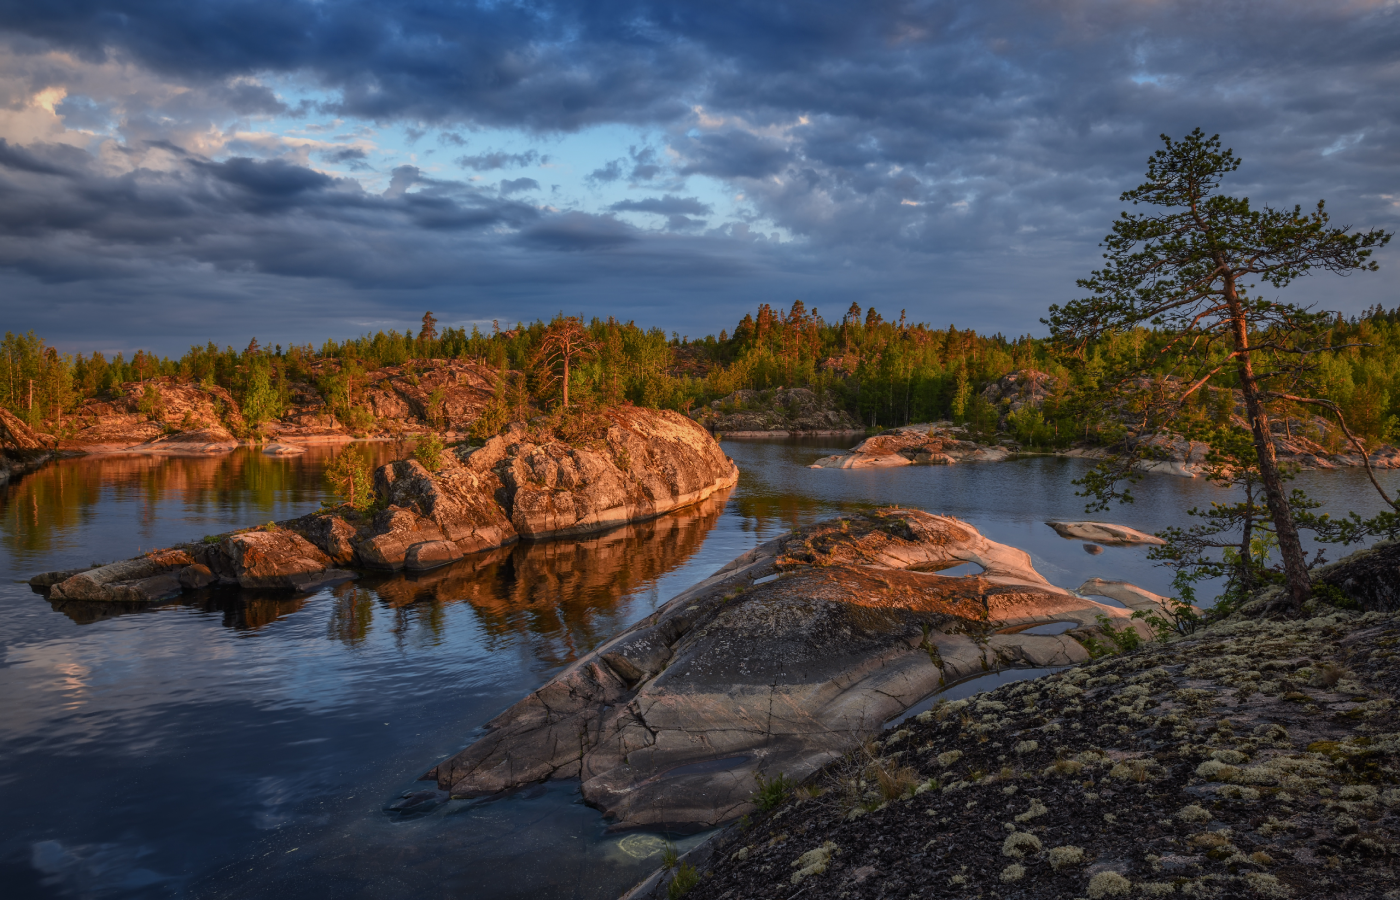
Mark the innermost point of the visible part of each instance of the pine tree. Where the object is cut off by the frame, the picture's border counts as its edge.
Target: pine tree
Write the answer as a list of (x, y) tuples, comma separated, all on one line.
[(1184, 270)]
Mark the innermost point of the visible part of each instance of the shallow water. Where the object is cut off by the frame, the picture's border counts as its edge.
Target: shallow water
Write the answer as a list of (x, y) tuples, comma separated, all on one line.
[(248, 745)]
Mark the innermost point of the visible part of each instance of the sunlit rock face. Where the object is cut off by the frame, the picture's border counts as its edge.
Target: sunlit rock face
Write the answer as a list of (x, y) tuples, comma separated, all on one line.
[(168, 417), (937, 444), (781, 661), (634, 464)]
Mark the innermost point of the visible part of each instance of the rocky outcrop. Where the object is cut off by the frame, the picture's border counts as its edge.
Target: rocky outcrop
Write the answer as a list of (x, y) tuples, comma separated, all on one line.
[(1253, 759), (913, 445), (526, 483), (161, 416), (637, 465), (1016, 390), (184, 418), (780, 662), (780, 411), (276, 559), (1103, 533), (145, 578), (21, 447)]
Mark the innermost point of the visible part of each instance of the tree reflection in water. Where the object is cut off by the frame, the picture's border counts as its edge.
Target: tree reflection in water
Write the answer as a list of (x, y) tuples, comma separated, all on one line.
[(561, 598)]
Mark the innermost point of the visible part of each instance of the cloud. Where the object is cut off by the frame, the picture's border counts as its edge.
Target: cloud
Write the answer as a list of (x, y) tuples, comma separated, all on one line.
[(516, 185), (575, 231), (498, 159), (962, 159), (733, 153), (669, 205), (607, 174), (354, 157)]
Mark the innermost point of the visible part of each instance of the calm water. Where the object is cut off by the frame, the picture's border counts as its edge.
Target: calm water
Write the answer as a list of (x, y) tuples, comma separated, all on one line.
[(248, 745)]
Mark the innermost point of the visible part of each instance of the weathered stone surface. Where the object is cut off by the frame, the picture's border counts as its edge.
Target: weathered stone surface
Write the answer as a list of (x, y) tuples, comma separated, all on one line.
[(267, 559), (1103, 533), (527, 483), (197, 576), (669, 721), (430, 555), (647, 463), (331, 534), (394, 530), (923, 444), (113, 582)]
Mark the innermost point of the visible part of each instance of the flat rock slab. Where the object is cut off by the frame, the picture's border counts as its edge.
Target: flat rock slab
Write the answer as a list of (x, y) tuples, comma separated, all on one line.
[(669, 722), (1103, 533)]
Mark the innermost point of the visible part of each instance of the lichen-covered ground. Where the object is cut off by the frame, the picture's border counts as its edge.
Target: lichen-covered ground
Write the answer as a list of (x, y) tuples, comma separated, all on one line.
[(1258, 759)]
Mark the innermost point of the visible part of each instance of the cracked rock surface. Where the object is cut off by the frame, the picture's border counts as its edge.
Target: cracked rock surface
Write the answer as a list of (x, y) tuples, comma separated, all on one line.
[(1258, 758), (668, 722)]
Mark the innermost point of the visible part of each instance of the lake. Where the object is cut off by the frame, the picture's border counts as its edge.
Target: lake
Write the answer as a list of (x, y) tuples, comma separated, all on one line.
[(249, 745)]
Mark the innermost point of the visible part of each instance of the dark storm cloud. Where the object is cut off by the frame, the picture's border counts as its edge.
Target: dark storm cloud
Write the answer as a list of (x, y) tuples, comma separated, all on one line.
[(74, 221), (962, 159), (575, 231)]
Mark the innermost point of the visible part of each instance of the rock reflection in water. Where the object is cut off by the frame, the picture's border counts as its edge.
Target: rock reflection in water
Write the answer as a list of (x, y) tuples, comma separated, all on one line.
[(563, 597)]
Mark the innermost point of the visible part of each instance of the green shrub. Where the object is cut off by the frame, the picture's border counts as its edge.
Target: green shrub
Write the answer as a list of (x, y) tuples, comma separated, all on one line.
[(350, 479), (428, 451), (771, 791), (686, 878)]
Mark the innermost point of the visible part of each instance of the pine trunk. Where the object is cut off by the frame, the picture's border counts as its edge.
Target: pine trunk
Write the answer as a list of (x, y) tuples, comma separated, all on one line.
[(1295, 567)]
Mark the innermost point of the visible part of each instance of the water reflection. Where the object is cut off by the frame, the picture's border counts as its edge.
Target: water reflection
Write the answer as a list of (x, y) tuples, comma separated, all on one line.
[(240, 744), (48, 514)]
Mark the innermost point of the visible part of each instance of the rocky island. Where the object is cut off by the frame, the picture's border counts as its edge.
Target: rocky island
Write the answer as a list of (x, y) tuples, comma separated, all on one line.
[(524, 483)]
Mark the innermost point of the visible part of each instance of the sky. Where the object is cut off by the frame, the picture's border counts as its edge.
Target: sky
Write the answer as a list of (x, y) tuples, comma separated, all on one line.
[(179, 171)]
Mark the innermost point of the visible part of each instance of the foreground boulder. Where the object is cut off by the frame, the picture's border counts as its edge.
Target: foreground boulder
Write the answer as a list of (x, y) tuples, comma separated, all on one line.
[(913, 445), (780, 662)]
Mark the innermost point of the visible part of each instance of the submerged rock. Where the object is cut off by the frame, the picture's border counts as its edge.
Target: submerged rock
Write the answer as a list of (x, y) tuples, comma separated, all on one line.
[(669, 721), (913, 445)]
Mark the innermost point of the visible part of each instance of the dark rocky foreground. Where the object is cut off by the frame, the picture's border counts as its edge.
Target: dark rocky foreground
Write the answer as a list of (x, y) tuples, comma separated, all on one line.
[(524, 483), (781, 662), (1259, 758)]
